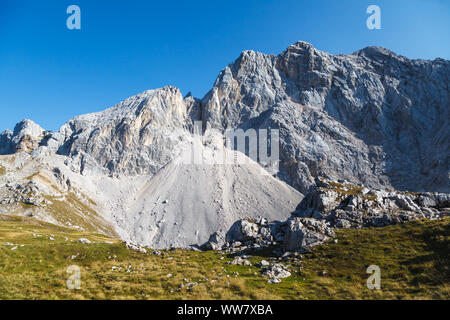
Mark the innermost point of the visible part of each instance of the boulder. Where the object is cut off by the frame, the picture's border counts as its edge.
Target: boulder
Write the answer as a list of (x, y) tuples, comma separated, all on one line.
[(240, 261), (318, 200), (304, 233), (405, 202), (427, 201), (276, 272), (242, 230), (216, 241)]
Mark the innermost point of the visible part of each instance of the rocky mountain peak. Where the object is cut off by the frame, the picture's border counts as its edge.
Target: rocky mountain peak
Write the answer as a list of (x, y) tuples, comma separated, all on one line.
[(134, 137), (374, 51), (27, 126), (26, 138), (300, 46)]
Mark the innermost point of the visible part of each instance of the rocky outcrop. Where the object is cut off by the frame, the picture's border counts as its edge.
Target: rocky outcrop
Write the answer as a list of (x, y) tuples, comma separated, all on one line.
[(243, 230), (248, 233), (330, 205), (304, 233), (346, 205), (26, 137), (276, 272), (294, 234), (5, 142)]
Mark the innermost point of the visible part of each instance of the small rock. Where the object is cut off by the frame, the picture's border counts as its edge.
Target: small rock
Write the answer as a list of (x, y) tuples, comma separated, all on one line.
[(264, 263), (240, 261)]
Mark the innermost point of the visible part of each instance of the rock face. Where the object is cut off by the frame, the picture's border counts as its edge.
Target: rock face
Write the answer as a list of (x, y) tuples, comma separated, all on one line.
[(372, 117), (135, 137), (5, 142)]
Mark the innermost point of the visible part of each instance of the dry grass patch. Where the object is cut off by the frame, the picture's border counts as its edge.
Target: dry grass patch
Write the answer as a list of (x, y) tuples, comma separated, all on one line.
[(413, 259)]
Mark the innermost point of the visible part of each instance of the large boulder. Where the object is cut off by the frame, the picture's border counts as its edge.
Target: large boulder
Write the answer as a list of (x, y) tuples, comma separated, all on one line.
[(216, 241), (317, 202), (434, 199), (275, 273), (304, 233), (242, 230)]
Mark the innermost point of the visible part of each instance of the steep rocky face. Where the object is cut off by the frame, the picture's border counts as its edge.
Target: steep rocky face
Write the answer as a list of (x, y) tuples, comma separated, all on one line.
[(135, 137), (371, 117), (5, 142)]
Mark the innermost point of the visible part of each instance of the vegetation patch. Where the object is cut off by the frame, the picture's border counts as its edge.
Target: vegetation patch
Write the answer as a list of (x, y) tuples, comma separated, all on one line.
[(74, 211), (413, 259)]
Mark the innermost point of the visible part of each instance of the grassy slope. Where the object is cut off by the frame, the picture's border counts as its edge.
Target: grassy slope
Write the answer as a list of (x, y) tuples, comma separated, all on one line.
[(413, 258)]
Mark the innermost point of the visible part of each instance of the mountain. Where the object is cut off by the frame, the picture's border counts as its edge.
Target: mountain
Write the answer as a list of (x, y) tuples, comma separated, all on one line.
[(26, 138), (371, 118), (128, 163)]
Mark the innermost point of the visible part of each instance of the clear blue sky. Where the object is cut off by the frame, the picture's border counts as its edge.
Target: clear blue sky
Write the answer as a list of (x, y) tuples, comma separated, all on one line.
[(50, 74)]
